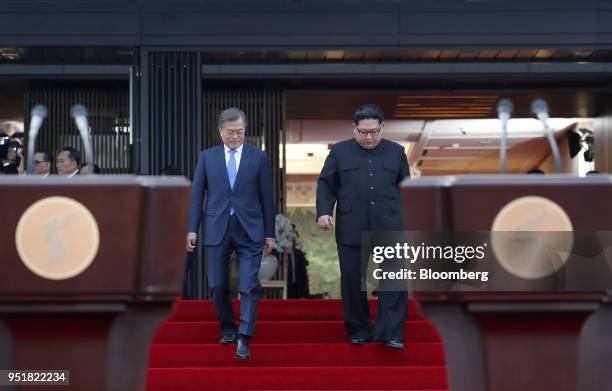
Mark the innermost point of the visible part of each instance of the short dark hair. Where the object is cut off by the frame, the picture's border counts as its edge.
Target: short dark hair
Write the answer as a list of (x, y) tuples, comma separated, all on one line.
[(368, 111), (73, 154), (535, 171), (96, 168), (46, 155), (230, 115)]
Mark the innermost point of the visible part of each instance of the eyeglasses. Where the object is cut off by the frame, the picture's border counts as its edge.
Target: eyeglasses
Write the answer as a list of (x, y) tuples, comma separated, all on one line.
[(371, 132), (238, 132), (39, 162)]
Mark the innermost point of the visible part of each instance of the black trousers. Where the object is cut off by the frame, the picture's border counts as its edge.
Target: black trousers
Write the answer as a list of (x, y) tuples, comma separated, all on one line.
[(392, 307)]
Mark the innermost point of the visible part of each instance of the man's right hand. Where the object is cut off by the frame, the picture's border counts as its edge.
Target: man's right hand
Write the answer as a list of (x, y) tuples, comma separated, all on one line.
[(325, 222), (192, 239)]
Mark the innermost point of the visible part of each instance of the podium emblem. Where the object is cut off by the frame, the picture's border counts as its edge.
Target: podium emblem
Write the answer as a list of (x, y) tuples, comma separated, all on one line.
[(532, 237), (57, 238)]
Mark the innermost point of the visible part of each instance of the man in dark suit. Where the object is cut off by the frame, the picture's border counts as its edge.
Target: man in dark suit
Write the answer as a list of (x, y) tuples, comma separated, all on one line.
[(239, 216), (41, 163), (68, 161), (362, 176)]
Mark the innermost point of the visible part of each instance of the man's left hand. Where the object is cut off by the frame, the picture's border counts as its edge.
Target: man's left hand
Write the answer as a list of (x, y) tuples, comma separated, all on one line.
[(268, 246)]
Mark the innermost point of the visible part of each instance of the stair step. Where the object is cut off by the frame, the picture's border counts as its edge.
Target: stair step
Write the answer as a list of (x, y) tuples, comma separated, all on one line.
[(292, 378), (302, 309), (281, 332), (296, 355)]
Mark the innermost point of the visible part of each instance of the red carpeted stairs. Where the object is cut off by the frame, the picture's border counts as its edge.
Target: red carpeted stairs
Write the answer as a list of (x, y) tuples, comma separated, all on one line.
[(299, 345)]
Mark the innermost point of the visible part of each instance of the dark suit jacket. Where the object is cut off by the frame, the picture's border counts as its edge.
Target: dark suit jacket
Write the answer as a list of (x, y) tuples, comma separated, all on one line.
[(365, 186), (252, 197)]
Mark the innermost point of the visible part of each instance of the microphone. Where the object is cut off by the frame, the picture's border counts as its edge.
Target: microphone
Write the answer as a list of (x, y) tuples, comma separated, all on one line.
[(39, 113), (79, 113), (540, 109), (504, 111)]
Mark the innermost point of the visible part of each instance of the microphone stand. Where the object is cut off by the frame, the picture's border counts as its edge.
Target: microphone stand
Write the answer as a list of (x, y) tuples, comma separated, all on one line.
[(39, 112)]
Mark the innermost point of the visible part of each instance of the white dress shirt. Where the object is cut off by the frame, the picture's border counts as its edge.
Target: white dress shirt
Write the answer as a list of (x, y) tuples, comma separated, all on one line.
[(237, 155)]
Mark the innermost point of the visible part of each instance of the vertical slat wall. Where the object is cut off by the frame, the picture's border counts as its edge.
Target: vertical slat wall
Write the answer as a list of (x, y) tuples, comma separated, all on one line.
[(109, 121), (170, 127), (174, 126), (264, 109)]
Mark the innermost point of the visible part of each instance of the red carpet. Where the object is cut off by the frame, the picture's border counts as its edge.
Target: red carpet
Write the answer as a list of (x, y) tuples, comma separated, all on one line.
[(299, 345)]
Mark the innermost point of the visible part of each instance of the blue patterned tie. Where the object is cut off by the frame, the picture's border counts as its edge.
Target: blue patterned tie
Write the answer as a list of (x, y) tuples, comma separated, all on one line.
[(231, 171)]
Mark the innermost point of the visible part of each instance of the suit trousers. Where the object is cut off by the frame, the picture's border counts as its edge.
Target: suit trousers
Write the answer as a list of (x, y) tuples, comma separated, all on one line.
[(392, 308), (218, 259)]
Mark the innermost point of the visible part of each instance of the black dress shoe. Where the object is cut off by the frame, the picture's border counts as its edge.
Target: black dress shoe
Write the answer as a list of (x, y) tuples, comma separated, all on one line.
[(360, 341), (227, 339), (242, 349), (395, 344)]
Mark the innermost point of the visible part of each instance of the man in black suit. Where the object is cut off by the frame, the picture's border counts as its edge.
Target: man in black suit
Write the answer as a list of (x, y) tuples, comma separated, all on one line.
[(41, 163), (68, 161), (362, 176)]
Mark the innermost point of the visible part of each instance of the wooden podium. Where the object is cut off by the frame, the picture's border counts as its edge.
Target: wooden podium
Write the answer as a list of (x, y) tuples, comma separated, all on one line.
[(522, 339), (90, 266)]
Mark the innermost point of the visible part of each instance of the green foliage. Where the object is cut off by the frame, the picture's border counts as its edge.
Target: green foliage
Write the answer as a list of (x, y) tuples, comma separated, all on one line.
[(320, 249)]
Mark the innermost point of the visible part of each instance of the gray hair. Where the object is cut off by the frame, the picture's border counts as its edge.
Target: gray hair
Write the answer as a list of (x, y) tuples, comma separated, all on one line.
[(230, 115)]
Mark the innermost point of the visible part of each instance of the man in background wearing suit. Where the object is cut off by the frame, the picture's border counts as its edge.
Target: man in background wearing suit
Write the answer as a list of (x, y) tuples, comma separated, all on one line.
[(68, 161), (239, 216), (41, 163), (362, 176)]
